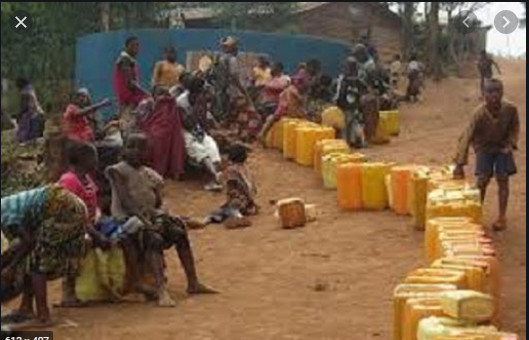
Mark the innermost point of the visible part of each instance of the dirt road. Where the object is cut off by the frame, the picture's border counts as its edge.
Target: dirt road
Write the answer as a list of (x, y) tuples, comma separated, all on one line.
[(332, 279)]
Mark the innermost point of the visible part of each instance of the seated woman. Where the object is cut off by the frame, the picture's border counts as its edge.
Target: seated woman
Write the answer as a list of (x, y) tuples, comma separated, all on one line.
[(83, 160), (241, 191), (75, 120), (292, 103), (137, 199), (45, 228), (269, 99), (201, 148)]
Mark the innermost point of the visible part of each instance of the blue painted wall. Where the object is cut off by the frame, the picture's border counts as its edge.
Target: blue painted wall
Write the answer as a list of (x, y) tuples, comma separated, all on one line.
[(97, 53)]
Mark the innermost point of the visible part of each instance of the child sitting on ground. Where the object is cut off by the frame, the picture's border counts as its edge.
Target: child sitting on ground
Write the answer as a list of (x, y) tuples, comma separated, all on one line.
[(241, 191)]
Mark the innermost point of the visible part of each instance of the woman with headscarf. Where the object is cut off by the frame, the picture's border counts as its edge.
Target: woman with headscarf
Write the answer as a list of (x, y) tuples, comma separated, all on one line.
[(75, 120)]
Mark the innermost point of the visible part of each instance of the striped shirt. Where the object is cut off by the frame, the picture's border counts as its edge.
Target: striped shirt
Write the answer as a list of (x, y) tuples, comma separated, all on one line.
[(18, 208)]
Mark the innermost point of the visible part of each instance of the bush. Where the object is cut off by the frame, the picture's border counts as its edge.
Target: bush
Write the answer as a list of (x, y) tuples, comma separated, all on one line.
[(18, 175)]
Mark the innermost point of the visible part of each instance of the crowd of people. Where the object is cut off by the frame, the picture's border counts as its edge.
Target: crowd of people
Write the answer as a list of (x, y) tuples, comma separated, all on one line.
[(187, 119)]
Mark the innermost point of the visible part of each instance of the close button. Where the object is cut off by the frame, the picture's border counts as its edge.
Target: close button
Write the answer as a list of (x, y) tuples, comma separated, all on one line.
[(21, 21)]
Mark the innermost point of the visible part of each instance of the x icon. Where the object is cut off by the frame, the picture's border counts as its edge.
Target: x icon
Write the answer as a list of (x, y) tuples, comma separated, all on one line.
[(21, 22)]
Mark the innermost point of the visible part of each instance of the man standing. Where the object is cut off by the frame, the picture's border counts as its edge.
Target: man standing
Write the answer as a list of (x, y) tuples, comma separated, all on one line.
[(228, 82), (167, 72), (485, 63), (493, 132), (126, 83)]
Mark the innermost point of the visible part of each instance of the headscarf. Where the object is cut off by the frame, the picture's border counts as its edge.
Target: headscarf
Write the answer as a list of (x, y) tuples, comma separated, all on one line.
[(229, 42)]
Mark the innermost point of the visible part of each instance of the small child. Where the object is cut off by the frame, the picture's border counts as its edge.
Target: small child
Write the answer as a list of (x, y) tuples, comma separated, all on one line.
[(240, 192)]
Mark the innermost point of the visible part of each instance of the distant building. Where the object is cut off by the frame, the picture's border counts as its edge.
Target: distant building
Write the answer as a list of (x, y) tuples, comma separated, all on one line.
[(344, 21)]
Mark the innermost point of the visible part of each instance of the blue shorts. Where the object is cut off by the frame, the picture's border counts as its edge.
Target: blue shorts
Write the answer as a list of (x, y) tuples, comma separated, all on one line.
[(495, 164)]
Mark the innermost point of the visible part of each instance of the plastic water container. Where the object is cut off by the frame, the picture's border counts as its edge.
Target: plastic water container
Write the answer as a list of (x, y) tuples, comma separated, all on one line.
[(278, 135), (325, 147), (382, 132), (468, 305), (415, 311), (270, 136), (393, 120), (289, 138), (330, 163), (454, 203), (431, 234), (437, 276), (417, 196), (292, 213), (432, 327), (374, 193), (334, 117), (349, 183), (404, 292), (305, 139), (400, 177)]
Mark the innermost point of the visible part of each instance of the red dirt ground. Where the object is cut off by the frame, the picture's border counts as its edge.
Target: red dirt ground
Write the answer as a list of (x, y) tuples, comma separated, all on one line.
[(332, 279)]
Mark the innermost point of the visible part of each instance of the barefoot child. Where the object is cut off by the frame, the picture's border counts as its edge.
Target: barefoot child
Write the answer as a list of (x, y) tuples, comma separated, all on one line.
[(137, 199), (83, 160), (240, 192), (493, 132)]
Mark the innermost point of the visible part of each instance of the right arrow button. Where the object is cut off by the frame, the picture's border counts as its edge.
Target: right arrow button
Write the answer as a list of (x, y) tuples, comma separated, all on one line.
[(506, 22)]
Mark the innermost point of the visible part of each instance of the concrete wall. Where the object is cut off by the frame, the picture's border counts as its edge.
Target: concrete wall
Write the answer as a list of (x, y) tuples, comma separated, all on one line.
[(97, 53)]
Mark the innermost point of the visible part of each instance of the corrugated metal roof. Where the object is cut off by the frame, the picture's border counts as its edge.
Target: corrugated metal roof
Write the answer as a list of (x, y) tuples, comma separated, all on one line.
[(307, 6)]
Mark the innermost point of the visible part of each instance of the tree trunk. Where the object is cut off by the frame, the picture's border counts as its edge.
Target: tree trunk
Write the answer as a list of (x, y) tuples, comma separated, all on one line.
[(105, 16), (434, 60), (407, 29)]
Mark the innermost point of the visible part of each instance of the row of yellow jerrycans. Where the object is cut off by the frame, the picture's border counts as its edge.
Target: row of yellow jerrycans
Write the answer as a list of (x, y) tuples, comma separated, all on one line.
[(462, 260), (414, 302), (423, 192), (443, 328), (296, 138), (461, 310), (389, 121)]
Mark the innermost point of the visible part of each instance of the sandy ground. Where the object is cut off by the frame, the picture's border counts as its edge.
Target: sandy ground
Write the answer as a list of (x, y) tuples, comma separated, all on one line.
[(332, 279)]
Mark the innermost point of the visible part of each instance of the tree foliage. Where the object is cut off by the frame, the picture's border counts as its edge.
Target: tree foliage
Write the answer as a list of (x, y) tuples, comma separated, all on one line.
[(47, 54)]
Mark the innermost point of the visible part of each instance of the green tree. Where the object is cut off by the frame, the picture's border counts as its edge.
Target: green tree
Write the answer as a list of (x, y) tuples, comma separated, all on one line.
[(47, 55)]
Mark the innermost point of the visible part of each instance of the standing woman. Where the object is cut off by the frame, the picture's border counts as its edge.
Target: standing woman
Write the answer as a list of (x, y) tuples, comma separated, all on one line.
[(164, 129), (30, 118), (45, 228)]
